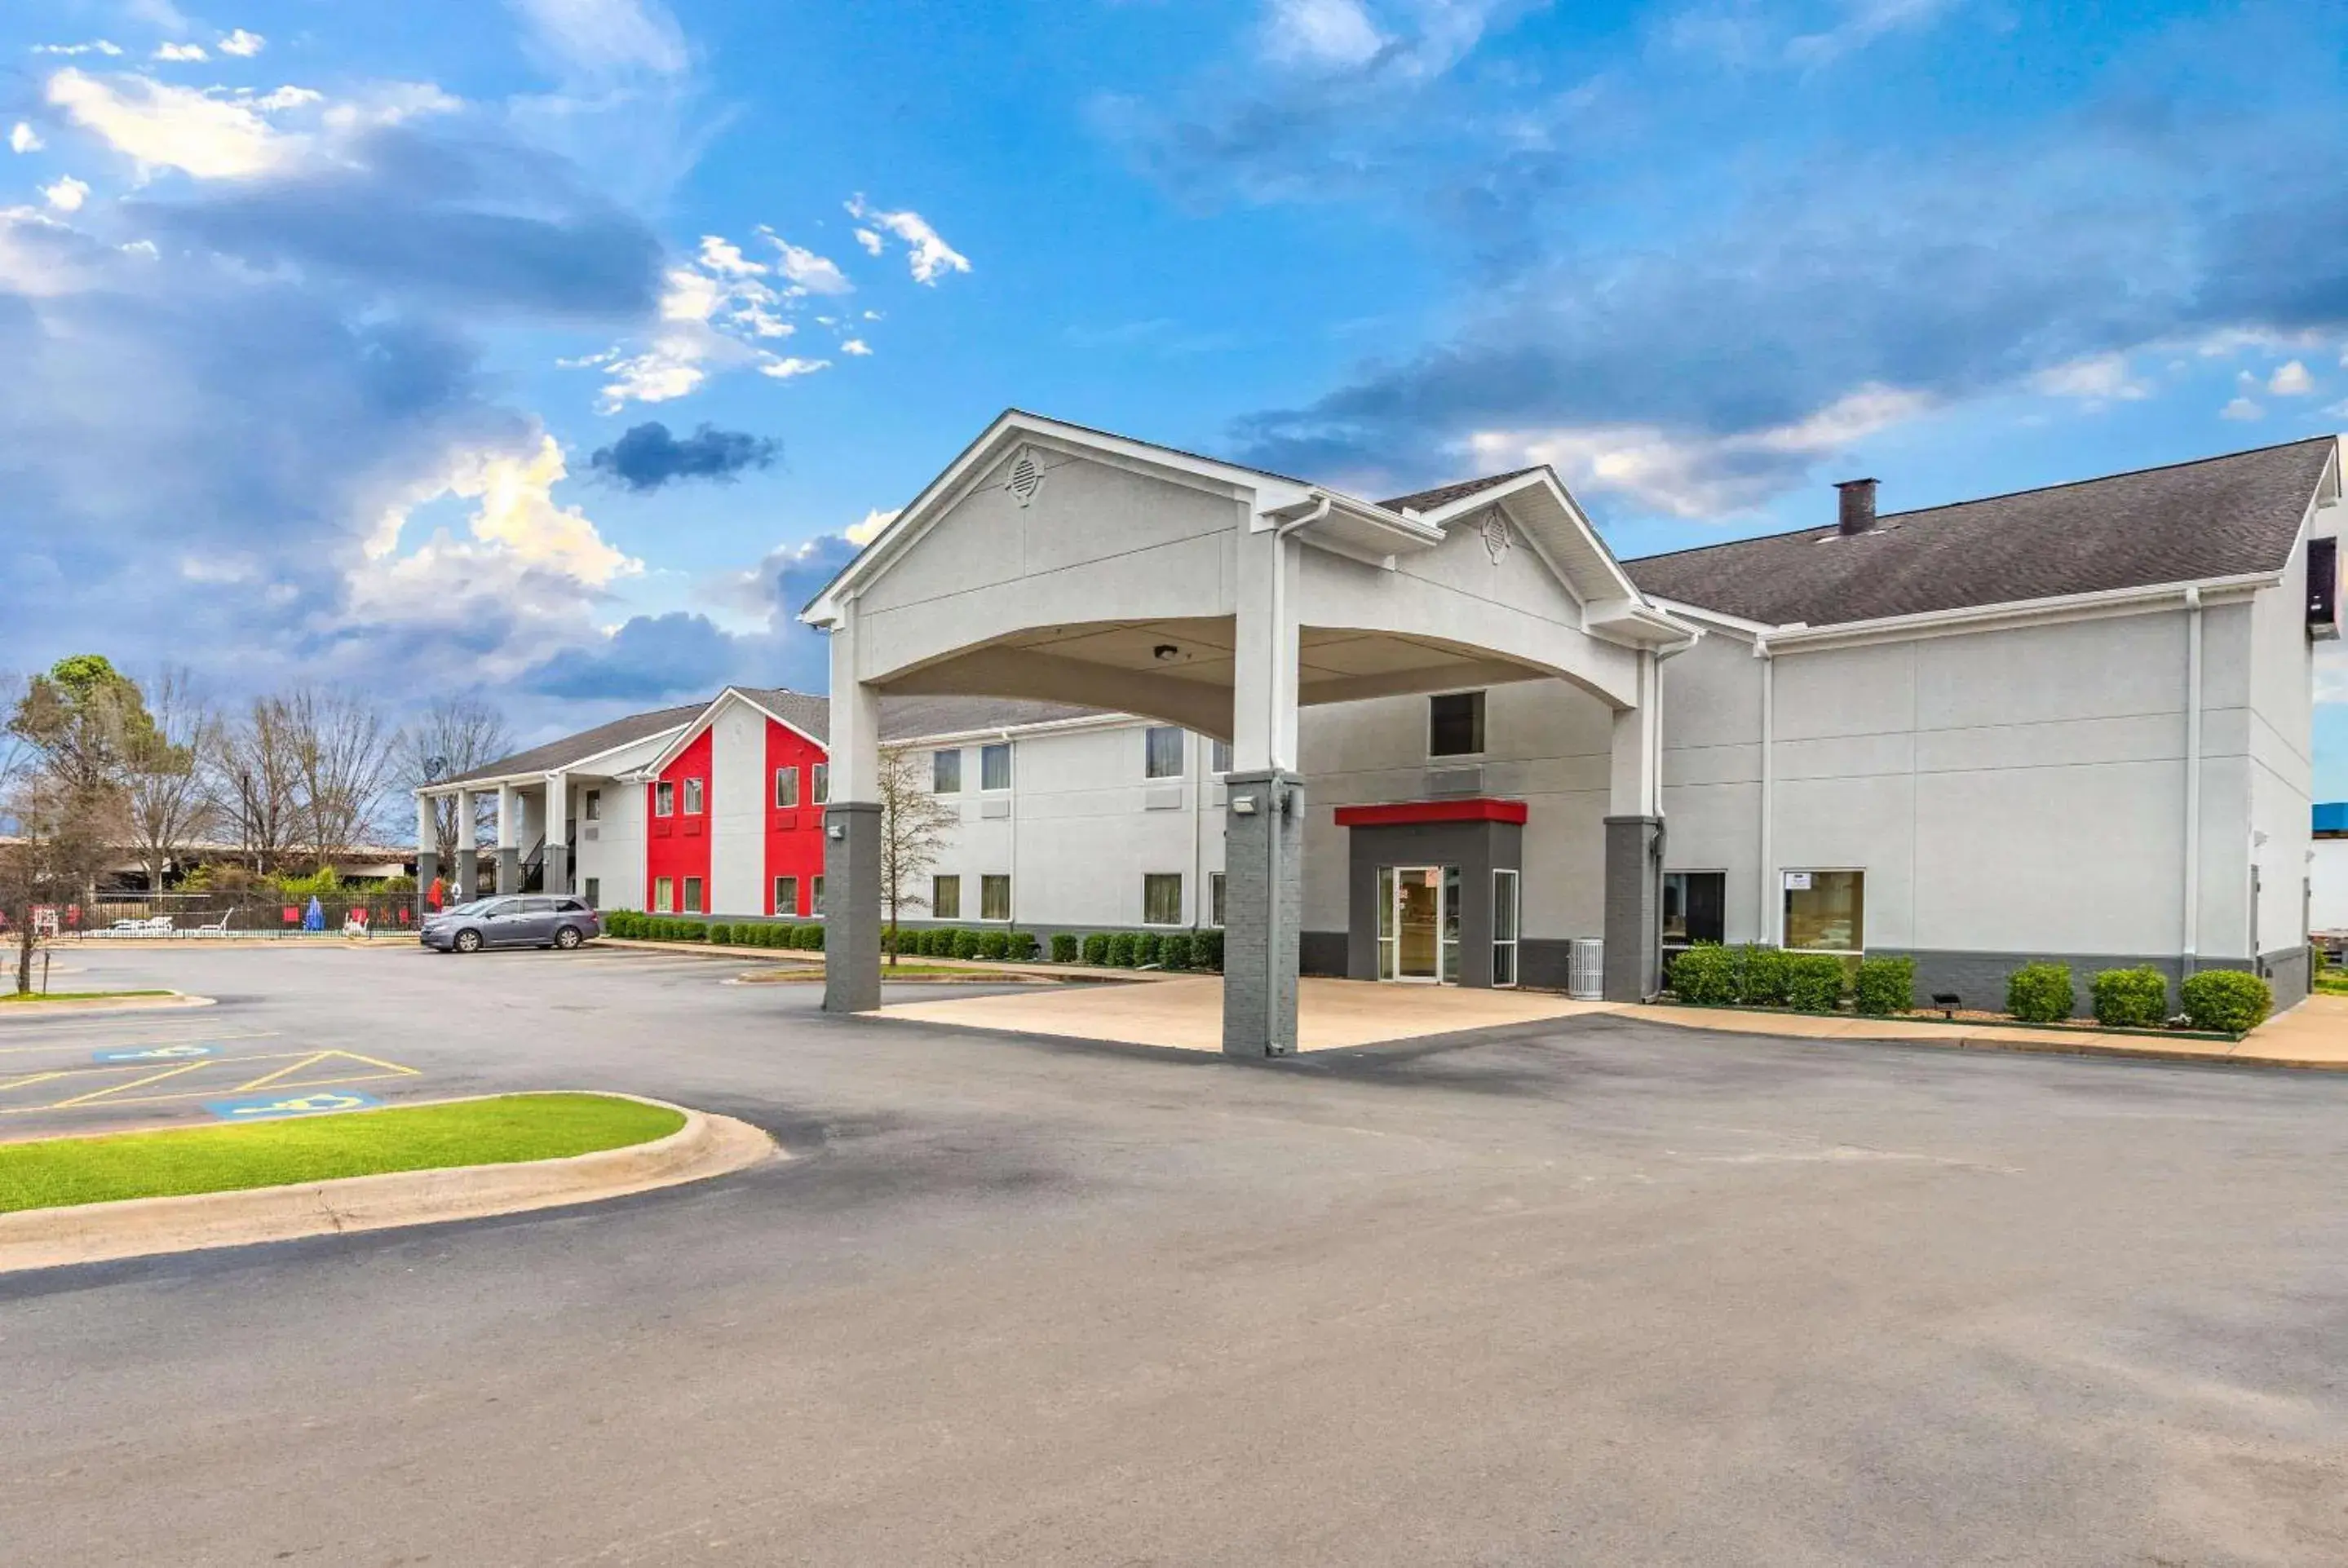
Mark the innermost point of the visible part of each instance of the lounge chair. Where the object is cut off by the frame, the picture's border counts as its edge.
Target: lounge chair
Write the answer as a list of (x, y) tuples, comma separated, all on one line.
[(217, 928)]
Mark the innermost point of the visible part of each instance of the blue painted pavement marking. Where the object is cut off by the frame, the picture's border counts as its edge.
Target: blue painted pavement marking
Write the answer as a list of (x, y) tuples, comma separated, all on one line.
[(267, 1107), (157, 1053)]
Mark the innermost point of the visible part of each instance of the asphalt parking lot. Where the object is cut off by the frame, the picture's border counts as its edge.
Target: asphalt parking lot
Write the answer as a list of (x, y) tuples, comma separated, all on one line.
[(1590, 1291)]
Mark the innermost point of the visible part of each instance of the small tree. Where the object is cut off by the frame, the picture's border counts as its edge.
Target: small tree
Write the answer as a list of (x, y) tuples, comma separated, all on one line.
[(172, 800), (59, 824), (913, 824)]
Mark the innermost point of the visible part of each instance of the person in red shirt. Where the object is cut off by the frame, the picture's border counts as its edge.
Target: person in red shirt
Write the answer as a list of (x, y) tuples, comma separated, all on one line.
[(436, 896)]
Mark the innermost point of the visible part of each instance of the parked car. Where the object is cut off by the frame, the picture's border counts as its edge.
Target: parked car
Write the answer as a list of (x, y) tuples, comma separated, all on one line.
[(521, 920)]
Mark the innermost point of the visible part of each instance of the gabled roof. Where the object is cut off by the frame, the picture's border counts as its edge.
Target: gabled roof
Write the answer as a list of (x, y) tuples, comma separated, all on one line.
[(1444, 494), (913, 717), (2216, 518), (572, 750)]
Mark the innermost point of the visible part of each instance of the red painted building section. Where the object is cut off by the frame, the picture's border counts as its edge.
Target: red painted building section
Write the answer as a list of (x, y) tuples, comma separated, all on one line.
[(794, 832), (678, 846)]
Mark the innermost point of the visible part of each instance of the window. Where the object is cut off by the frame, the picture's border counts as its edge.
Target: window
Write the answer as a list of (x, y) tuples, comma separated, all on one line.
[(692, 797), (664, 895), (995, 766), (537, 906), (1454, 724), (1826, 911), (1215, 896), (592, 806), (570, 906), (815, 894), (664, 799), (594, 892), (945, 898), (822, 782), (1695, 907), (692, 904), (1162, 894), (1161, 756), (1219, 756), (1504, 927), (787, 788), (995, 898), (787, 895), (945, 772)]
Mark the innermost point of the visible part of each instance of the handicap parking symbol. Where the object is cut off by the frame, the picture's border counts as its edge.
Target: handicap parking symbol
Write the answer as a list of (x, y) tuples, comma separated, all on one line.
[(267, 1107), (157, 1053)]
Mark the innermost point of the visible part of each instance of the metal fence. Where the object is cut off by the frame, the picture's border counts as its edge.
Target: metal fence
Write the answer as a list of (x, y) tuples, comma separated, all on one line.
[(246, 913)]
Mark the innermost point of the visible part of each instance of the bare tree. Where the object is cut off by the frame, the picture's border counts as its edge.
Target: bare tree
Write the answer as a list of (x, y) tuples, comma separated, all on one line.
[(913, 824), (452, 737), (259, 781), (341, 764), (172, 773)]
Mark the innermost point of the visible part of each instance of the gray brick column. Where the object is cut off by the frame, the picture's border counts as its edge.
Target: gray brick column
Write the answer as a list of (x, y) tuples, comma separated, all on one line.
[(851, 907), (1263, 908), (467, 870), (557, 867), (1635, 908), (508, 846), (427, 851)]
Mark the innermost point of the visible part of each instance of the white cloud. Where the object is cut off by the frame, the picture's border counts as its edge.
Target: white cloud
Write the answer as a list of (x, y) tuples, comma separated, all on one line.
[(856, 345), (785, 369), (1320, 33), (865, 532), (871, 244), (807, 270), (181, 52), (243, 44), (2241, 408), (2291, 379), (722, 256), (1863, 22), (684, 345), (25, 138), (94, 46), (164, 127), (928, 254), (608, 37), (2100, 378), (66, 195), (1697, 476)]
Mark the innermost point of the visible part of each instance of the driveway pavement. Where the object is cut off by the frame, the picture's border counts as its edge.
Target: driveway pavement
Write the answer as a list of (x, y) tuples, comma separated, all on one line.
[(1584, 1290)]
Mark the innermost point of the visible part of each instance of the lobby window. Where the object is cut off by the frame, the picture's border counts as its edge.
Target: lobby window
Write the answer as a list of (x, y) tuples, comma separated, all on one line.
[(1161, 753), (664, 895), (664, 799), (787, 895), (995, 766), (945, 772), (1215, 897), (1161, 896), (1505, 906), (592, 806), (1826, 911), (1219, 756), (1454, 724), (819, 779), (815, 896), (787, 788), (594, 894), (692, 797), (995, 898), (692, 904), (1696, 906), (945, 898)]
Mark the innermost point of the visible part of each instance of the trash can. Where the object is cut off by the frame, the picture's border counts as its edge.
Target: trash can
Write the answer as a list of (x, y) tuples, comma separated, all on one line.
[(1585, 970)]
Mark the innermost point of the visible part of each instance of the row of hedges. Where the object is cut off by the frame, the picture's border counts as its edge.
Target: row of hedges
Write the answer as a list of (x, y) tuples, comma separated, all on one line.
[(949, 942), (1754, 976), (2223, 1001), (1141, 949), (629, 923)]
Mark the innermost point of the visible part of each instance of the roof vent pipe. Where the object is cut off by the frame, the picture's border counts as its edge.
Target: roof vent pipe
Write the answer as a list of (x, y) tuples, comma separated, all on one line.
[(1858, 506)]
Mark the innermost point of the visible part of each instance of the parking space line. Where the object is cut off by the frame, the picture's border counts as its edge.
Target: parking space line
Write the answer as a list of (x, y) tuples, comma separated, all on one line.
[(29, 1078), (134, 1084), (82, 1042), (371, 1061), (268, 1078)]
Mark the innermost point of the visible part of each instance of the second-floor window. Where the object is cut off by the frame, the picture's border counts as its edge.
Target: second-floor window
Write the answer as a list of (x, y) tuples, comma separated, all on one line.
[(945, 772), (822, 782), (1161, 756), (995, 766), (693, 798), (592, 806), (664, 799), (787, 788), (1454, 724), (1219, 757)]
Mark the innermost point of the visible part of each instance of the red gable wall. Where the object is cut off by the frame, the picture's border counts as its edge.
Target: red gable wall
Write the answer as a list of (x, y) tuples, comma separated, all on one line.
[(794, 838), (677, 846)]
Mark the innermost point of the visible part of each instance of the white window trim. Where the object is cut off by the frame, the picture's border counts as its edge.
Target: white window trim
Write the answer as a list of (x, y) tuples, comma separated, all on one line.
[(1427, 731), (936, 877), (664, 798), (983, 918), (1181, 899), (791, 772), (985, 788), (1182, 766)]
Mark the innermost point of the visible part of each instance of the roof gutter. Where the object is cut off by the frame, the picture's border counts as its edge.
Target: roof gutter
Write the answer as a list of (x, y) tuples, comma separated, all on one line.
[(2151, 596)]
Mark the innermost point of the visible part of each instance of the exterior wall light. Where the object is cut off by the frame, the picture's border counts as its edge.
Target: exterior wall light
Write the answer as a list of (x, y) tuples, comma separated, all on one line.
[(1242, 805)]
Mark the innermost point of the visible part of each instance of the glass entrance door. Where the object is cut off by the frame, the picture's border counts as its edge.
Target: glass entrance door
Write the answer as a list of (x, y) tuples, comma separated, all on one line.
[(1418, 924)]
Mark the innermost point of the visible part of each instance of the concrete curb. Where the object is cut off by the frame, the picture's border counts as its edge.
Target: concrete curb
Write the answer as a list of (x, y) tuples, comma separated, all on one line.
[(104, 1004), (1989, 1037), (707, 1145)]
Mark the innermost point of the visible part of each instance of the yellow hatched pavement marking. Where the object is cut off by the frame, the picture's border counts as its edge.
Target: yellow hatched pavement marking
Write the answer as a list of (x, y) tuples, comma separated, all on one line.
[(121, 1093), (134, 1084), (208, 1093), (371, 1061), (268, 1078), (28, 1080)]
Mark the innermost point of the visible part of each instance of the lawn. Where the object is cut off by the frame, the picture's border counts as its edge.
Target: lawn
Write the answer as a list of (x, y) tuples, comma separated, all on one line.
[(2331, 982), (74, 996), (54, 1172)]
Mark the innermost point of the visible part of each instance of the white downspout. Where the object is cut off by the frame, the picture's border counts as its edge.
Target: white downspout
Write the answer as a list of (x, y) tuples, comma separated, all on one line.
[(1770, 899), (1196, 888), (2191, 945)]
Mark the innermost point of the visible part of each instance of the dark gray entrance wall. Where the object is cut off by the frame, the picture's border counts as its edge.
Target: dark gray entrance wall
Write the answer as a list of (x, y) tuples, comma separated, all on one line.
[(1635, 908), (1263, 908), (851, 907), (1477, 849), (1979, 978), (427, 866)]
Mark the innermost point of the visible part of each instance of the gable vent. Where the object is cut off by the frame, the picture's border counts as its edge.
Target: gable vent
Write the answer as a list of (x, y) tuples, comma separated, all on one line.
[(1027, 479)]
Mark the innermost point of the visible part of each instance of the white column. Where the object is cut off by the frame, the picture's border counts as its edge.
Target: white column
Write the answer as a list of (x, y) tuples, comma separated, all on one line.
[(1263, 829), (428, 850), (1636, 782), (468, 847), (557, 833), (1263, 687)]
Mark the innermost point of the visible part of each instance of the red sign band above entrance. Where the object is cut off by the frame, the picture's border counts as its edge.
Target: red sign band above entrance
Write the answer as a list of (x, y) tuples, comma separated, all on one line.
[(1403, 813)]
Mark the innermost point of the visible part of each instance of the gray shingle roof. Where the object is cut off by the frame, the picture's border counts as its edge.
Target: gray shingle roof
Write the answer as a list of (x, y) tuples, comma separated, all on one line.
[(1444, 494), (587, 743), (910, 717), (2217, 517)]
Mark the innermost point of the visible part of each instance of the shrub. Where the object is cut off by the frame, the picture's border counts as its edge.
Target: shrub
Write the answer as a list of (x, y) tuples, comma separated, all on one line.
[(1096, 949), (1149, 948), (1884, 987), (994, 945), (1124, 950), (2039, 993), (721, 934), (1065, 948), (2228, 1002), (1207, 949), (693, 930), (1174, 952), (811, 938), (2130, 998), (1021, 947), (1763, 976), (1705, 975), (967, 944), (1814, 981), (777, 935)]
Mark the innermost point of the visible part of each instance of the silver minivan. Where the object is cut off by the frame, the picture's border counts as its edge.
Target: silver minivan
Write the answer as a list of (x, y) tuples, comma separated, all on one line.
[(517, 920)]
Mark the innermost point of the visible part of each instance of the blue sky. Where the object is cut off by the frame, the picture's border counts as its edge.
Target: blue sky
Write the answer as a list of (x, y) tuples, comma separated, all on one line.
[(553, 348)]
